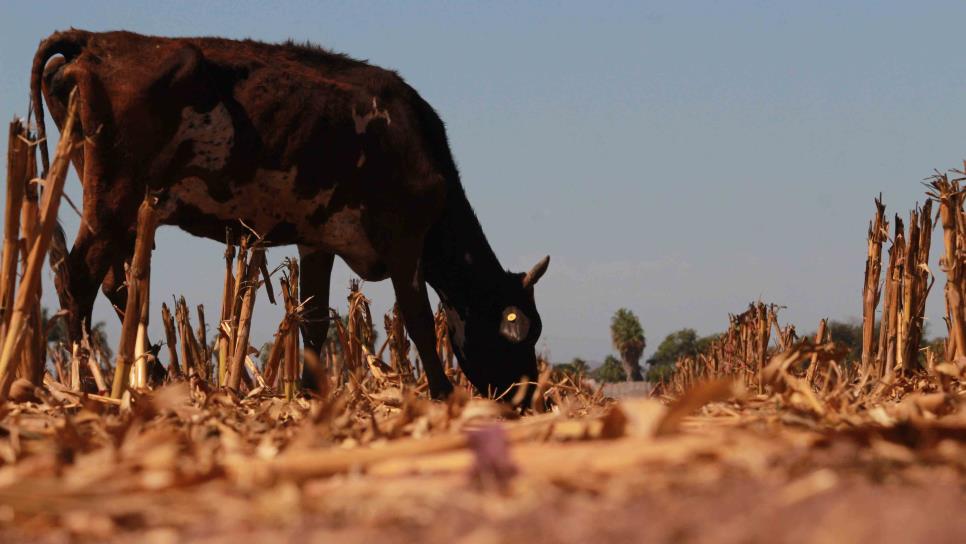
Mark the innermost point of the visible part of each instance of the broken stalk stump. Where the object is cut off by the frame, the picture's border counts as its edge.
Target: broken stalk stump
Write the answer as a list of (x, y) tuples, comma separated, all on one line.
[(174, 369), (17, 154), (137, 295), (226, 308), (873, 269), (26, 299), (291, 295), (250, 287), (950, 212)]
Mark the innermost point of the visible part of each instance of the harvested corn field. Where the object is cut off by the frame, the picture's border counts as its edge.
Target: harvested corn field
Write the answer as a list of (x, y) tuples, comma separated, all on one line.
[(241, 394)]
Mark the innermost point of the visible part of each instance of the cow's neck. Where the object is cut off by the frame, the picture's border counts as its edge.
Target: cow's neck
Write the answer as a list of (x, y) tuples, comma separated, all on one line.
[(458, 261)]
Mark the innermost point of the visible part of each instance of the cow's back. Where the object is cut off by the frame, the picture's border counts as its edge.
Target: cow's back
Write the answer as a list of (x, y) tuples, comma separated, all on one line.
[(296, 143)]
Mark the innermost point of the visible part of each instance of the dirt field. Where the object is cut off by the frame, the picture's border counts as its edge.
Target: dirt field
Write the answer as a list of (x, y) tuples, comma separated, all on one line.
[(179, 466)]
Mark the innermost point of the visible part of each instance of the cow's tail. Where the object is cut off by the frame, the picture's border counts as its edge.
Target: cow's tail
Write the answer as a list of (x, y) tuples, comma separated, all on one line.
[(69, 44)]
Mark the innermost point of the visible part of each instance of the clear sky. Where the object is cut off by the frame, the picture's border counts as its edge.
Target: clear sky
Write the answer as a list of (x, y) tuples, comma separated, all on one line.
[(680, 159)]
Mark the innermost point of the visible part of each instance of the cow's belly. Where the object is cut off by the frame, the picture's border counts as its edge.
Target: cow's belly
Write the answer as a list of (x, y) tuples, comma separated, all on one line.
[(269, 206)]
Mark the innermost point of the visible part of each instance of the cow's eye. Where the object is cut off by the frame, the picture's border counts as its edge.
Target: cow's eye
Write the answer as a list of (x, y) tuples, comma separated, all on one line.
[(514, 326)]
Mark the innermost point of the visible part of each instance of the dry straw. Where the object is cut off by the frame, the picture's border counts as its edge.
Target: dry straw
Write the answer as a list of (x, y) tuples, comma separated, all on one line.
[(26, 301)]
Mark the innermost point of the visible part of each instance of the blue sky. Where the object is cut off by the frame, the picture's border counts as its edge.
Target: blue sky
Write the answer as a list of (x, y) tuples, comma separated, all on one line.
[(680, 159)]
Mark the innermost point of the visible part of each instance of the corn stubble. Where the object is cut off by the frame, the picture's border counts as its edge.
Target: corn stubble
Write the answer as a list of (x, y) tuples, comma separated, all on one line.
[(167, 435)]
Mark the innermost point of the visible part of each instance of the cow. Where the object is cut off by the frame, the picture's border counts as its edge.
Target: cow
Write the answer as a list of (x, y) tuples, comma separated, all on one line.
[(305, 147)]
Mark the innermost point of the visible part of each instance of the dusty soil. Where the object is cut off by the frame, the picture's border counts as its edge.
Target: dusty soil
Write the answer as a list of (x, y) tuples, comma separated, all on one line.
[(738, 471)]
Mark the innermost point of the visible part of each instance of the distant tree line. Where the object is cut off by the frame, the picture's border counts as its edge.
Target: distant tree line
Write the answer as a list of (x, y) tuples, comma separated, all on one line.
[(628, 339)]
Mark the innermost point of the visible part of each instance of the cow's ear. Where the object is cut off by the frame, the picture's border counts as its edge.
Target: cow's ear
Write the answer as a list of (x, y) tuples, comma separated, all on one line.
[(536, 272), (180, 73)]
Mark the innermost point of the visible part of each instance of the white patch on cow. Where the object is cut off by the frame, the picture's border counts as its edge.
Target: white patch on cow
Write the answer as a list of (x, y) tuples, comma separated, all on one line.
[(457, 327), (270, 200), (362, 159), (362, 121), (263, 203), (190, 191), (211, 134)]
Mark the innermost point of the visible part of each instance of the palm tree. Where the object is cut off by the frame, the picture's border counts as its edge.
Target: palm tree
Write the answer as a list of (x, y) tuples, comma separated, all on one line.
[(577, 366), (55, 326), (100, 342), (610, 371), (628, 338), (56, 329)]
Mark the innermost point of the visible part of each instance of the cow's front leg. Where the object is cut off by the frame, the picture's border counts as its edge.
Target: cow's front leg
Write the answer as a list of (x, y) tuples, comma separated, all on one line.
[(87, 264), (314, 278), (413, 299), (114, 285), (105, 238)]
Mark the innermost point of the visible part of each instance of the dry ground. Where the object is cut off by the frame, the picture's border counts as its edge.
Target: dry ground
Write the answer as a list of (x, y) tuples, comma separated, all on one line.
[(182, 464)]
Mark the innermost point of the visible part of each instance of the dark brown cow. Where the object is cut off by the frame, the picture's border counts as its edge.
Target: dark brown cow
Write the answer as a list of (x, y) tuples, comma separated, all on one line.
[(304, 146)]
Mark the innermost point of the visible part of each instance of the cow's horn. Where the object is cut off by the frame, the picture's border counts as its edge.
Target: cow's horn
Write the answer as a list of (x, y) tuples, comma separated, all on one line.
[(536, 272)]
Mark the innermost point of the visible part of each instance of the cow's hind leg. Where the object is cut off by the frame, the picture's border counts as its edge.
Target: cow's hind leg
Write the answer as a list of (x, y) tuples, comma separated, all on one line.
[(413, 299), (314, 277)]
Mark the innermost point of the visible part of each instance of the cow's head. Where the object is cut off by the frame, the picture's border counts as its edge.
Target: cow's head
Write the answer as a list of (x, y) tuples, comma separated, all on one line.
[(494, 341)]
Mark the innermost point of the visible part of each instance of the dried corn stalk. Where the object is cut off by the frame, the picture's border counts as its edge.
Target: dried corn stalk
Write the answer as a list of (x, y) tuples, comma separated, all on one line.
[(398, 343), (873, 270), (191, 353), (247, 288), (136, 309), (225, 322), (916, 284), (174, 368), (819, 339), (290, 295), (27, 300), (17, 154), (444, 349), (950, 198), (897, 262)]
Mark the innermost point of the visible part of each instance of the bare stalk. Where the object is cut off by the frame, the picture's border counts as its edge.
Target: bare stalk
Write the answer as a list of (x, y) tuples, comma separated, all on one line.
[(17, 153), (443, 347), (908, 299), (291, 296), (75, 368), (92, 364), (27, 296), (35, 347), (873, 269), (250, 288), (204, 350), (236, 299), (174, 369), (897, 252), (137, 295), (226, 313), (819, 339), (950, 208), (190, 350), (888, 303)]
